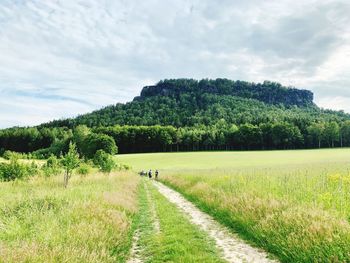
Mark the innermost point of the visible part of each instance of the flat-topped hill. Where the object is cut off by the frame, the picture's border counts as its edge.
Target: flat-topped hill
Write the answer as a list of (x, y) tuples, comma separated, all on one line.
[(267, 92)]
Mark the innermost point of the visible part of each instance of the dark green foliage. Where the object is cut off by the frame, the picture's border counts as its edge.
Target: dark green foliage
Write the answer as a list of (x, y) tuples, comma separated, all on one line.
[(345, 134), (268, 92), (140, 138), (30, 139), (94, 142)]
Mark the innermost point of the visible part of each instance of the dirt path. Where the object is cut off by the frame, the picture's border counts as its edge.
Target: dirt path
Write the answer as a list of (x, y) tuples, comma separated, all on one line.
[(233, 248), (135, 249)]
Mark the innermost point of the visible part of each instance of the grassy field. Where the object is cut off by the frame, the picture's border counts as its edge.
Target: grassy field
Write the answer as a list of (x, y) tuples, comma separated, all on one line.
[(295, 204), (229, 160), (91, 221)]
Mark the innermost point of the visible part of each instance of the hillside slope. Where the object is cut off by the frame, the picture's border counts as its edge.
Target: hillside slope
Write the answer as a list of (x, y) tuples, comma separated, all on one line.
[(188, 102)]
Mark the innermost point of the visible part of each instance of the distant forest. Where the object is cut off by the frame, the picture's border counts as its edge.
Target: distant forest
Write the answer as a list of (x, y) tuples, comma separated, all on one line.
[(190, 115)]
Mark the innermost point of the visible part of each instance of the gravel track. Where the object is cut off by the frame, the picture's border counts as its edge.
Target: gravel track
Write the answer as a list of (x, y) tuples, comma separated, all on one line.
[(233, 248)]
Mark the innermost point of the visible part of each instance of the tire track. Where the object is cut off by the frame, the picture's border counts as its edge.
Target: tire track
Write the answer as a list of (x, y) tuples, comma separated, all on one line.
[(136, 250), (233, 248)]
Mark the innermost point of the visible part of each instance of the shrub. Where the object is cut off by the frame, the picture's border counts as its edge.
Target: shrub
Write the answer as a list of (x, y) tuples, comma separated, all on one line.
[(123, 167), (41, 154), (104, 161), (57, 148), (33, 168), (52, 166), (126, 167), (84, 169), (16, 170), (10, 154)]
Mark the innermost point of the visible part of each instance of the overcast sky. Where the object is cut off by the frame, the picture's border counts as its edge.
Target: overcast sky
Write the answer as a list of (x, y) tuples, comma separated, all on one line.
[(60, 58)]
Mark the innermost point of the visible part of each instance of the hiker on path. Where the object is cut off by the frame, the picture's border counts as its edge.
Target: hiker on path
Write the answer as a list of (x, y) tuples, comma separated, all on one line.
[(150, 174), (156, 174)]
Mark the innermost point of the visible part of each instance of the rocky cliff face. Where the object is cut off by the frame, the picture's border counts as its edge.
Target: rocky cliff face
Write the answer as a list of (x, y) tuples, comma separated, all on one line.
[(268, 92)]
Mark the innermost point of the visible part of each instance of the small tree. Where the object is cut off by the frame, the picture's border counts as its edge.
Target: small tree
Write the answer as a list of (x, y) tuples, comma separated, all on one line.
[(70, 161), (104, 161)]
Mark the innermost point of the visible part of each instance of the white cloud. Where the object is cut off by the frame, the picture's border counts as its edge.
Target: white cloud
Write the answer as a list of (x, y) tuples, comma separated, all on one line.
[(60, 58), (336, 103)]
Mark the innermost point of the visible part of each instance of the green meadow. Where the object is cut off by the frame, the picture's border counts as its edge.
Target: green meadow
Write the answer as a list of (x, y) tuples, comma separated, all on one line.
[(235, 160), (90, 221), (294, 204)]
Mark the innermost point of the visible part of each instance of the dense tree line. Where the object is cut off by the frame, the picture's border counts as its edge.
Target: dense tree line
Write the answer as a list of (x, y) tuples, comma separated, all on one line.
[(141, 138), (221, 136), (43, 142), (31, 139)]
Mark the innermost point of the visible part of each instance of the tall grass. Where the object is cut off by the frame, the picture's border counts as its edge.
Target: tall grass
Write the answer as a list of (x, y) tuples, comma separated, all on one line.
[(299, 212), (91, 221)]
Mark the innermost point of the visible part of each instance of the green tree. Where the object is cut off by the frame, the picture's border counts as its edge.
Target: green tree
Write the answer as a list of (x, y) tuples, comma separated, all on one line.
[(331, 133), (315, 132), (250, 136), (70, 161), (345, 134), (94, 142), (80, 133), (285, 135), (104, 161)]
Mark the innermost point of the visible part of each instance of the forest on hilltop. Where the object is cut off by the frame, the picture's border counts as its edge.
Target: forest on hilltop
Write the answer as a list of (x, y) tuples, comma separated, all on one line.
[(188, 102), (186, 114)]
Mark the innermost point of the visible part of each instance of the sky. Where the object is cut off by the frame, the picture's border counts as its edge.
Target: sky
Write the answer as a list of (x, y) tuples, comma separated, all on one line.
[(61, 58)]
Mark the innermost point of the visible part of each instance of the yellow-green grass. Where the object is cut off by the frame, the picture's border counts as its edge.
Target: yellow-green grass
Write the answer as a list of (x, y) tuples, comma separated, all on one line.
[(90, 221), (177, 240), (27, 161), (229, 160), (295, 204)]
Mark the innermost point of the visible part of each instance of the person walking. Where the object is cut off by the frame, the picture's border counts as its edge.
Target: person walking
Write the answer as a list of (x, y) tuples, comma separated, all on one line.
[(156, 174), (150, 174)]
